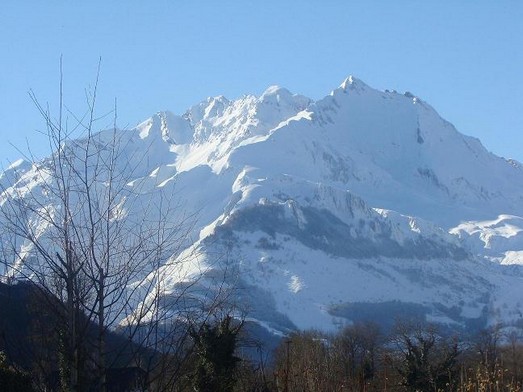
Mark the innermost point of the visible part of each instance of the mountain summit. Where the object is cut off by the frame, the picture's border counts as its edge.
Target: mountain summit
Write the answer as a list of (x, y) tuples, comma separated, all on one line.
[(364, 204)]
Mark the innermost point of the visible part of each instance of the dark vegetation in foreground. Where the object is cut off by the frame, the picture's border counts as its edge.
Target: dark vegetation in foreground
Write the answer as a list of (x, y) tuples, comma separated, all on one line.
[(414, 357)]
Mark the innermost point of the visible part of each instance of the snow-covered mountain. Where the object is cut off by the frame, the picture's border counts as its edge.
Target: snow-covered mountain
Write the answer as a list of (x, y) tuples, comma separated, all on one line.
[(364, 204)]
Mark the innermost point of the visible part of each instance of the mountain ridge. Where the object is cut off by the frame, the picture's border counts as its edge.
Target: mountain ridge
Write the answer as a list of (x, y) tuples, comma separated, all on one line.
[(320, 207)]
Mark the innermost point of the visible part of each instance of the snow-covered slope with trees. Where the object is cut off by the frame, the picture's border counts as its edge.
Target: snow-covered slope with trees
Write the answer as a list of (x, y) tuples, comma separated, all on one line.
[(364, 204)]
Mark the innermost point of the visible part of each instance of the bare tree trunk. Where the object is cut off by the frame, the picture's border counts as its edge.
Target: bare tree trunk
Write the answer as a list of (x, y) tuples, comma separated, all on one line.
[(101, 332), (101, 261)]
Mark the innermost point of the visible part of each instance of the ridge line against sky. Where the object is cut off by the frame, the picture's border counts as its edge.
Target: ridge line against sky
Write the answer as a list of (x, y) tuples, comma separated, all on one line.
[(465, 60)]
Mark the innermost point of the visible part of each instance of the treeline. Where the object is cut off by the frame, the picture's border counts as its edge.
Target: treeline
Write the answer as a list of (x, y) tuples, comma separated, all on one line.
[(359, 357), (413, 357)]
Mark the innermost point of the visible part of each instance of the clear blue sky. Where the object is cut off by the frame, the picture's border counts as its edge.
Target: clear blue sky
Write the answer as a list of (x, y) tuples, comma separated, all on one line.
[(463, 57)]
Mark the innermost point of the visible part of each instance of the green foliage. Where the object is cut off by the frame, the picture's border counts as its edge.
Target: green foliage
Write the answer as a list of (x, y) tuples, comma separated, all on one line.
[(215, 360), (12, 380), (427, 362)]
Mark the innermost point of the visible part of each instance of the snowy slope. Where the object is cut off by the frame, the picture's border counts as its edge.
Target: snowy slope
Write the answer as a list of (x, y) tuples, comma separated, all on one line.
[(500, 239), (316, 214)]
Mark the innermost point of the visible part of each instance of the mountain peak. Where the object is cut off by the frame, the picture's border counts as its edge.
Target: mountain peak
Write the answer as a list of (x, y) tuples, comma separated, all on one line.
[(352, 82), (300, 194), (279, 99), (276, 94)]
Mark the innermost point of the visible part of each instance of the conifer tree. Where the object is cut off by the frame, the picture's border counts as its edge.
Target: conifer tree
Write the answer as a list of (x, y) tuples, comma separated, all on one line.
[(215, 360)]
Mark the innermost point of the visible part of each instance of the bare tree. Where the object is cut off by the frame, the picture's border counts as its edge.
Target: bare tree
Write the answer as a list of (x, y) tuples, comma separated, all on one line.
[(305, 362), (85, 232), (356, 350), (486, 344)]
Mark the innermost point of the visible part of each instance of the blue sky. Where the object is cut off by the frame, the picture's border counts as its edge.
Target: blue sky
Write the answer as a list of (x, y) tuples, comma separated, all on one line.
[(465, 58)]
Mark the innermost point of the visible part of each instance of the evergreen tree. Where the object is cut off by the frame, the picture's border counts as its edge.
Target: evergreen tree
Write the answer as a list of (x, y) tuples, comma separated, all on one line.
[(215, 360)]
